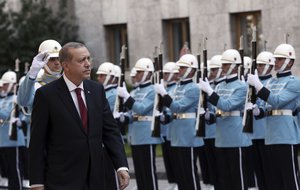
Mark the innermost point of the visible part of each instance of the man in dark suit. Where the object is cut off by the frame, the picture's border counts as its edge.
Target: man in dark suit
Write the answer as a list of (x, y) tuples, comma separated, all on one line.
[(71, 120)]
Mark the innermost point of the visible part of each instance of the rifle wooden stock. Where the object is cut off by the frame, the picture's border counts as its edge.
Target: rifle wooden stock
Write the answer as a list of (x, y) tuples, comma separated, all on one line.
[(202, 105), (251, 96), (158, 107)]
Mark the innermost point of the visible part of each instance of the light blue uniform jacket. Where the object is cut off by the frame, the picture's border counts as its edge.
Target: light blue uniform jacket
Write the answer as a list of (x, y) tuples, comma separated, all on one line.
[(282, 93), (230, 96)]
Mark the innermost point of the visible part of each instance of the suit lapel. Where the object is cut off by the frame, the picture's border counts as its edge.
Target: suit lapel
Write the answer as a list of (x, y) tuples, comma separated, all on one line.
[(89, 103), (66, 97)]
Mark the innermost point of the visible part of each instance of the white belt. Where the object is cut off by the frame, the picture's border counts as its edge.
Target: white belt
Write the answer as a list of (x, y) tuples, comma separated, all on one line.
[(142, 118), (280, 112), (226, 114), (184, 115)]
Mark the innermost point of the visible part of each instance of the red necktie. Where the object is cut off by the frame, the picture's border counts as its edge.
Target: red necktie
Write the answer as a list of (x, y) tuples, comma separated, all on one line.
[(82, 109)]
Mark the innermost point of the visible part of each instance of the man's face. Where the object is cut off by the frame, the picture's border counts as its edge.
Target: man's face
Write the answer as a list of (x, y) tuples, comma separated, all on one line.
[(78, 68), (213, 73), (54, 64), (279, 61), (225, 68), (101, 78), (182, 71), (139, 76)]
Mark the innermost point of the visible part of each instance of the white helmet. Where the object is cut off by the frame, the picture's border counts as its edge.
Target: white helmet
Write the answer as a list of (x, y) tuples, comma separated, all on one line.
[(133, 72), (106, 68), (215, 62), (266, 58), (1, 83), (188, 60), (170, 67), (9, 77), (231, 56), (144, 64), (50, 46), (117, 71), (285, 51)]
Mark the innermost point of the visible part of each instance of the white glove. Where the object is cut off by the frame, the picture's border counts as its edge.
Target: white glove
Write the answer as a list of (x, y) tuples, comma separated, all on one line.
[(253, 107), (205, 86), (17, 121), (116, 114), (207, 115), (37, 64), (253, 80), (122, 92), (160, 89)]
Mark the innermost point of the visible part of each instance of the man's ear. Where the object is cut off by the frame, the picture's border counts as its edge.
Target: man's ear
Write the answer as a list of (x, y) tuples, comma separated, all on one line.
[(64, 66)]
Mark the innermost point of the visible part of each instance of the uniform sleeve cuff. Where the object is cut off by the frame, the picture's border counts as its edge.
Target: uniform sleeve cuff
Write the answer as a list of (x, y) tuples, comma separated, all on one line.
[(263, 94), (123, 168), (214, 98), (129, 102)]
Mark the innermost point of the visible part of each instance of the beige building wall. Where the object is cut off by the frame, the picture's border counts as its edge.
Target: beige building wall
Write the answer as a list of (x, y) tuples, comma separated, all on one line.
[(209, 18)]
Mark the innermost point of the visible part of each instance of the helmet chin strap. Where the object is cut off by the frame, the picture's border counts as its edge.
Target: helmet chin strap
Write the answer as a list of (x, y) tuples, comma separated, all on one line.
[(53, 73), (219, 73), (107, 77), (187, 72), (283, 66), (230, 69), (9, 88), (144, 77), (170, 77), (265, 70)]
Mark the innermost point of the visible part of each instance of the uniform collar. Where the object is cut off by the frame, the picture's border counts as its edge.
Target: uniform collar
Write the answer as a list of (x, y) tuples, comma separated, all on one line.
[(219, 80), (109, 88), (231, 78), (284, 74), (265, 77), (171, 84), (186, 81), (145, 84)]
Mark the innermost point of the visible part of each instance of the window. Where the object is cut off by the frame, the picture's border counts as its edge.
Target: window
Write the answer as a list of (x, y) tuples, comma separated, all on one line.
[(176, 33), (116, 36), (242, 24)]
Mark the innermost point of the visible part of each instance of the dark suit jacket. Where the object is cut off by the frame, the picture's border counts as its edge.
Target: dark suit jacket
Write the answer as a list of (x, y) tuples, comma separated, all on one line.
[(62, 155)]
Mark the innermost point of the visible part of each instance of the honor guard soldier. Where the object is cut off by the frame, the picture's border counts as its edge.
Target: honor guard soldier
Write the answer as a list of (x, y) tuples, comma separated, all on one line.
[(184, 105), (170, 76), (142, 143), (106, 72), (231, 143), (265, 63), (282, 131), (10, 149), (208, 158), (46, 59)]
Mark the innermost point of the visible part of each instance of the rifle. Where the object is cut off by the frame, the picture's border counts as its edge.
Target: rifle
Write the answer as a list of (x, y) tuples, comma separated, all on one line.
[(202, 105), (158, 107), (241, 51), (251, 94), (13, 127), (119, 107)]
